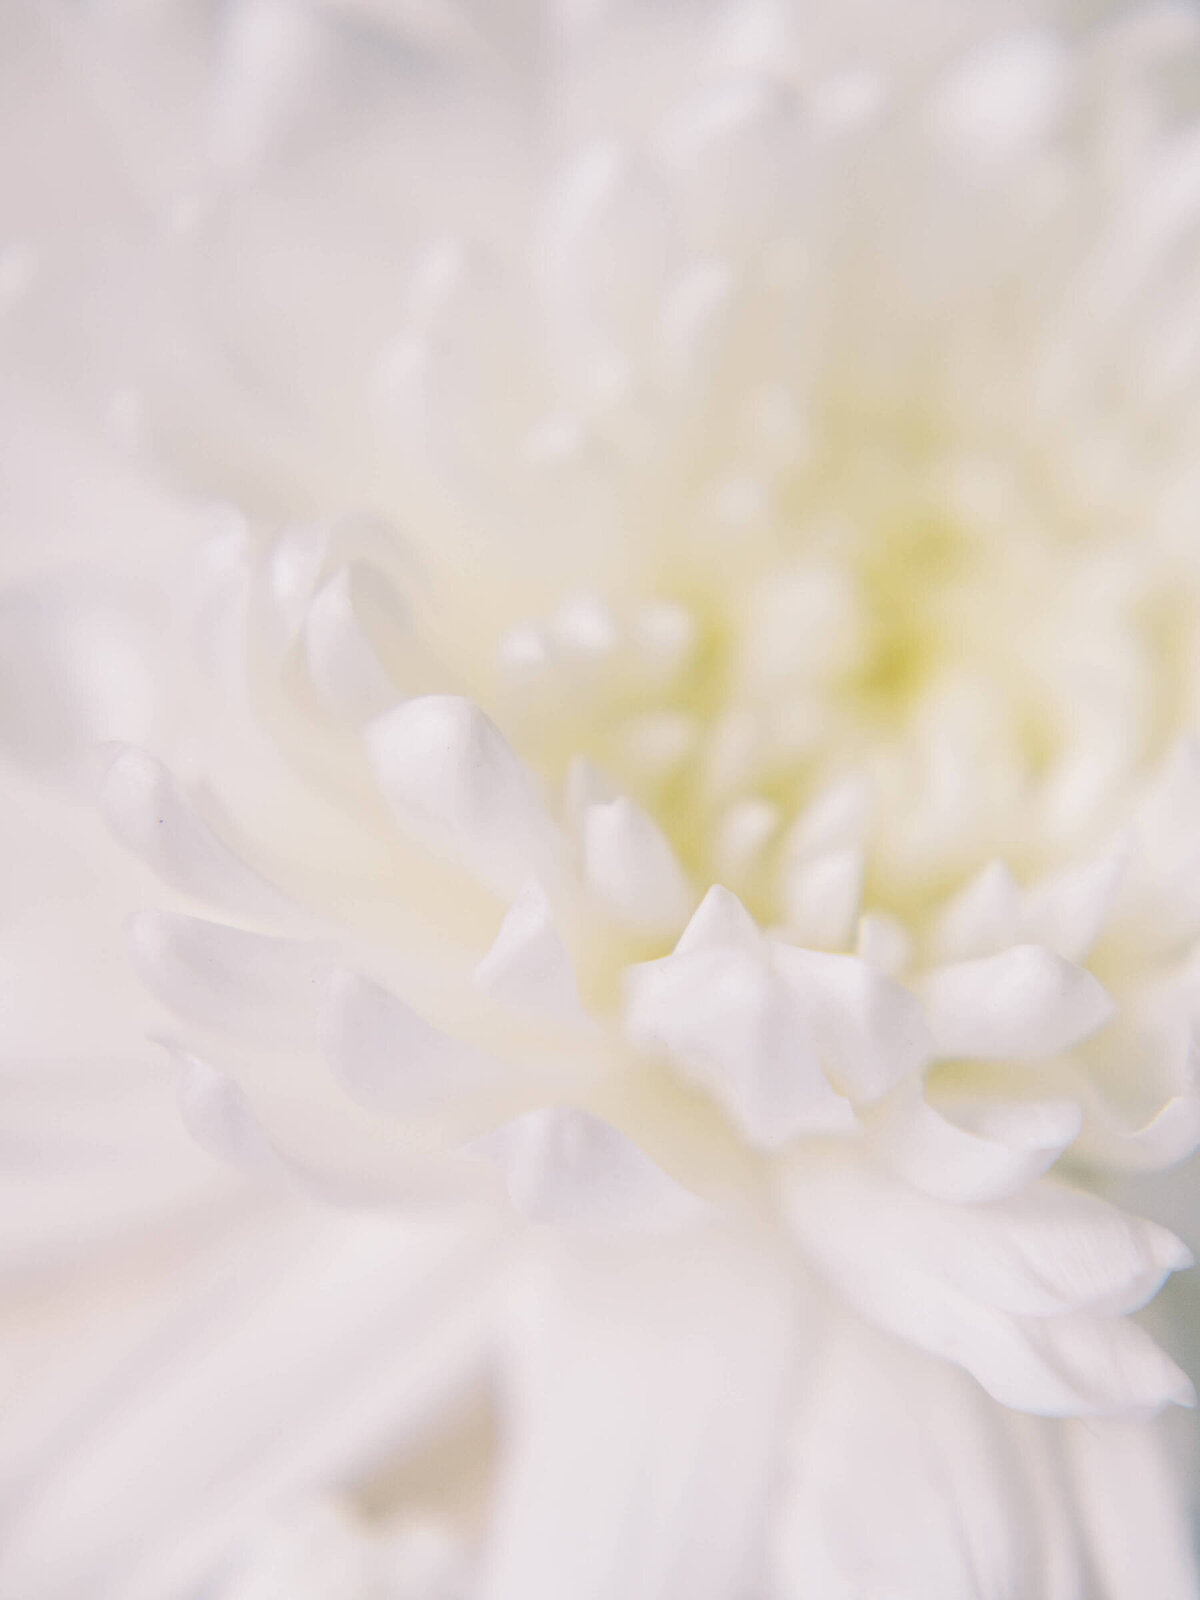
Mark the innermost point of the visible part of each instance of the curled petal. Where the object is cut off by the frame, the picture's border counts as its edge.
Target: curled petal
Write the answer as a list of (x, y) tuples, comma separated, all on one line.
[(984, 917), (323, 1158), (1045, 1252), (146, 807), (903, 1478), (1067, 912), (869, 1029), (529, 966), (344, 664), (1026, 1002), (389, 1058), (629, 864), (566, 1166), (1114, 1138), (734, 1027), (720, 919), (75, 671), (1021, 1294), (822, 897), (673, 1360), (1147, 1549), (262, 990), (218, 1116), (451, 778), (368, 1374), (987, 1151)]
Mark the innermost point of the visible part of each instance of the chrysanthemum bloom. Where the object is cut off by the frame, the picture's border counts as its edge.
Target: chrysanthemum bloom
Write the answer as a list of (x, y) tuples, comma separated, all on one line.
[(671, 784)]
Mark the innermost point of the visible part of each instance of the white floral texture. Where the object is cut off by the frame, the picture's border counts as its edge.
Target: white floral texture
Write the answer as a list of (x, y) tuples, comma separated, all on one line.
[(638, 595)]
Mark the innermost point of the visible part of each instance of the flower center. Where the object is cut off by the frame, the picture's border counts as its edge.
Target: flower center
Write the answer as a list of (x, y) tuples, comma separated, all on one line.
[(912, 677)]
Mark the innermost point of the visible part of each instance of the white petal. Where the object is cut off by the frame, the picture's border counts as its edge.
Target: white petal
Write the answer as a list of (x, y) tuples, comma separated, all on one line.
[(1026, 1002), (388, 1057), (1138, 1533), (343, 663), (629, 864), (729, 152), (983, 918), (838, 817), (315, 1550), (1068, 912), (255, 988), (290, 573), (693, 319), (75, 670), (393, 1320), (1051, 1248), (731, 1025), (984, 1152), (452, 779), (605, 241), (1042, 1253), (218, 1116), (665, 633), (742, 836), (720, 919), (954, 1280), (1168, 1138), (146, 808), (1140, 1087), (821, 898), (1113, 1365), (564, 1166), (642, 1390), (77, 1212), (869, 1029), (529, 966), (1006, 96), (584, 786), (884, 942), (584, 627), (904, 1479), (322, 1152)]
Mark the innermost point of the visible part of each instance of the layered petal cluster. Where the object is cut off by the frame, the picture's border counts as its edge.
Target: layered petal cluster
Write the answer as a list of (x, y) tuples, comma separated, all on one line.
[(643, 688)]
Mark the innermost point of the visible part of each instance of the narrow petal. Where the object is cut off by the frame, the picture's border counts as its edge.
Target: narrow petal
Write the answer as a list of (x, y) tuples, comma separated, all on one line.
[(255, 988), (869, 1029), (564, 1166), (393, 1318), (1139, 1535), (982, 1287), (983, 1153), (903, 1479), (146, 807), (1026, 1002), (1168, 1138), (822, 896), (641, 1392), (1041, 1253), (1125, 1139), (629, 865), (983, 918), (453, 780), (343, 663), (218, 1116), (720, 919), (325, 1154), (732, 1026), (1067, 912), (529, 966), (389, 1058), (75, 671)]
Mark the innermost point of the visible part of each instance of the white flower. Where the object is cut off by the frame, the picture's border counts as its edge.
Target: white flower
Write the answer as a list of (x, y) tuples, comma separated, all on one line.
[(671, 783)]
